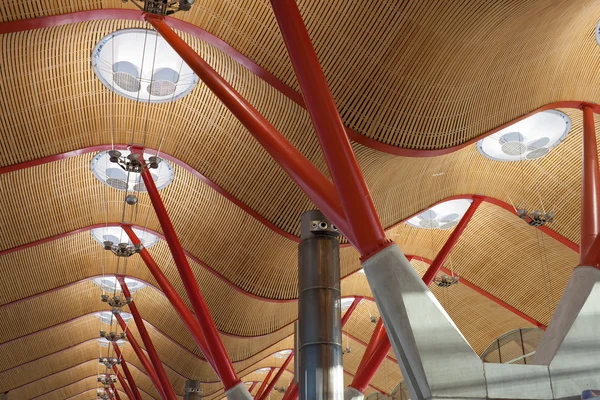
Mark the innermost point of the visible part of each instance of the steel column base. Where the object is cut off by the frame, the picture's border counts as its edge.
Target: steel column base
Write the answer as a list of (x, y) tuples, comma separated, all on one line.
[(352, 394), (434, 357), (238, 392)]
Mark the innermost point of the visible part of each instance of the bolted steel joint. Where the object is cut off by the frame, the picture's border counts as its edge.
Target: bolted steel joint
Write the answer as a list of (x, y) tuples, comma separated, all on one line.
[(323, 227)]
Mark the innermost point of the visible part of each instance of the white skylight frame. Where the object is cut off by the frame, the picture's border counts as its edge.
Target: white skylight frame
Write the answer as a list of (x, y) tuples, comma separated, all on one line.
[(114, 176), (442, 216), (117, 235), (122, 52), (108, 283), (529, 139)]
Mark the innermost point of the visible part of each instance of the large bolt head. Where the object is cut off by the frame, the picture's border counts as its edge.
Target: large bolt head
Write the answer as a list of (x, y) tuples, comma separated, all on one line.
[(131, 199)]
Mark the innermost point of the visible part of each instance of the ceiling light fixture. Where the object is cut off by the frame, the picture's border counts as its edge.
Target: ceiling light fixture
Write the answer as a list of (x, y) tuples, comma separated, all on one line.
[(445, 215), (125, 63), (122, 170), (529, 139)]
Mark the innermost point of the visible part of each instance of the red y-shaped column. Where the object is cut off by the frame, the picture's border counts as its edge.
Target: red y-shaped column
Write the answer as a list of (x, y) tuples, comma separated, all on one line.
[(316, 185), (126, 387), (209, 330), (380, 345), (590, 194), (134, 389), (114, 389), (276, 378), (141, 356), (190, 322), (264, 383), (358, 206), (154, 358)]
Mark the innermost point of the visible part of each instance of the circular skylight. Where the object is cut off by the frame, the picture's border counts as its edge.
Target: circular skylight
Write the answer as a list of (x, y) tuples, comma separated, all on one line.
[(140, 65), (442, 216), (117, 235), (347, 302), (113, 175), (529, 139), (282, 353), (102, 342), (107, 317), (109, 283), (263, 371)]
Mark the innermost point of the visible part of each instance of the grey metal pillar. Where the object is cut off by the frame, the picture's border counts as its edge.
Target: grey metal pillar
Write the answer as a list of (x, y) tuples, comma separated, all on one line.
[(321, 375), (296, 353), (192, 390)]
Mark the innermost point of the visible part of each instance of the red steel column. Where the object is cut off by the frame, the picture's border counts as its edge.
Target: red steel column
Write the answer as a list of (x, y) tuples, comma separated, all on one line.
[(252, 387), (133, 386), (440, 258), (264, 383), (590, 192), (276, 378), (114, 389), (378, 334), (213, 340), (350, 310), (312, 182), (362, 380), (154, 358), (348, 179), (123, 383), (291, 393), (190, 322), (141, 356)]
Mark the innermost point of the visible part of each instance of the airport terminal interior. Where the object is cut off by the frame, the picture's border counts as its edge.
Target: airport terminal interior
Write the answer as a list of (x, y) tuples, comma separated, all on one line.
[(299, 199)]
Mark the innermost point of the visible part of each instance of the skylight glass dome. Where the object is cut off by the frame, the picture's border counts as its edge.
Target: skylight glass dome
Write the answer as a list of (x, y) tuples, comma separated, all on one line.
[(109, 283), (347, 302), (117, 235), (116, 177), (282, 353), (442, 216), (107, 317), (529, 139), (102, 342), (140, 65), (263, 371)]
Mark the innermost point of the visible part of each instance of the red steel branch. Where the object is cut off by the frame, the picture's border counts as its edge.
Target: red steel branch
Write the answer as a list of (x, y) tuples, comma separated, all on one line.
[(590, 193), (134, 388), (154, 357), (124, 384), (276, 378), (214, 343), (140, 355), (379, 344), (114, 390), (351, 187), (264, 383), (252, 387), (312, 181), (188, 319)]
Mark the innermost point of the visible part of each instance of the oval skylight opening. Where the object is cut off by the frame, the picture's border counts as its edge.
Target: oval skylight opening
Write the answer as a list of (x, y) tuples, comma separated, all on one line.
[(113, 175), (125, 63), (445, 215), (529, 139), (263, 371), (347, 302), (107, 317), (109, 284), (102, 342), (282, 353), (117, 235)]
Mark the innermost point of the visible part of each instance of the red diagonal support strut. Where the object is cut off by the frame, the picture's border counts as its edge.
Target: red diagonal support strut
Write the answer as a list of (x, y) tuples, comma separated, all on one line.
[(590, 193), (130, 380), (264, 383), (126, 387), (380, 345), (140, 355), (207, 325), (276, 378), (351, 309), (114, 389), (154, 358), (188, 319), (312, 182), (348, 179), (252, 387)]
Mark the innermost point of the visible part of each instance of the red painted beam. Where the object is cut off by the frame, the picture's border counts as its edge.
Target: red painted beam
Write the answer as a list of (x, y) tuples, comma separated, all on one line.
[(276, 378), (115, 393), (215, 346), (378, 334), (124, 384), (361, 216), (365, 375), (351, 309), (590, 192), (264, 383), (165, 383), (128, 374), (318, 188), (440, 258), (188, 319)]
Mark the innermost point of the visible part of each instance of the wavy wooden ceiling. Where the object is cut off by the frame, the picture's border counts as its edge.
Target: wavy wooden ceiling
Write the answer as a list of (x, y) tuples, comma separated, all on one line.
[(413, 74)]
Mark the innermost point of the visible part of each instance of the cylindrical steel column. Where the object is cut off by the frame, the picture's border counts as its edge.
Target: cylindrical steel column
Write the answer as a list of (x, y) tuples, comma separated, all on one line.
[(192, 390), (321, 375)]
